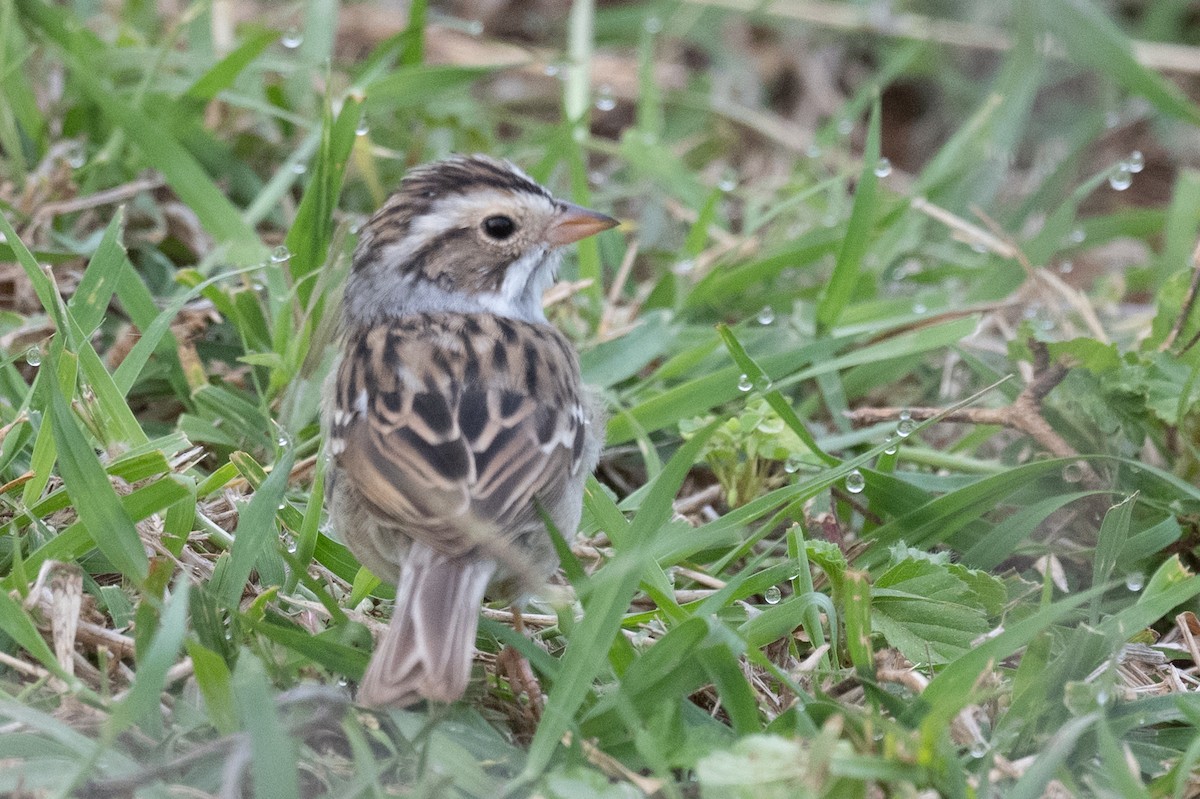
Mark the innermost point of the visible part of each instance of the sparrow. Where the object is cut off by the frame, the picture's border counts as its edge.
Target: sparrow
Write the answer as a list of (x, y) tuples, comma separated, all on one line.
[(457, 420)]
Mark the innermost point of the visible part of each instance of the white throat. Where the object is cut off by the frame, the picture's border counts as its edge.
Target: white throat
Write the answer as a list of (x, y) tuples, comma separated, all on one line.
[(372, 297)]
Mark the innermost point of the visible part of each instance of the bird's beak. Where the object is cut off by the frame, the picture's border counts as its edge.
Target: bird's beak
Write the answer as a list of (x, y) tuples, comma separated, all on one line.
[(574, 222)]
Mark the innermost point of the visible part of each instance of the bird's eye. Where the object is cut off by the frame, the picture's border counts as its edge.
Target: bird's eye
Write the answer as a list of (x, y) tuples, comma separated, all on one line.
[(499, 227)]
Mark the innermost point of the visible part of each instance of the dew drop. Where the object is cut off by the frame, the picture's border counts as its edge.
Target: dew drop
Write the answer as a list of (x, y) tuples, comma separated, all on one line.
[(1135, 581), (766, 316), (292, 39), (763, 383), (685, 266), (845, 126), (905, 427), (1136, 161), (895, 445), (855, 482), (475, 28), (979, 247), (1112, 119), (772, 595), (813, 150), (342, 682), (883, 168), (1102, 697), (299, 169), (978, 749), (652, 25), (728, 183), (904, 415), (744, 383), (551, 70), (280, 254), (1066, 267), (1073, 472), (363, 128), (1078, 235), (76, 156), (604, 99), (1121, 178), (289, 543), (919, 308), (33, 356), (791, 465)]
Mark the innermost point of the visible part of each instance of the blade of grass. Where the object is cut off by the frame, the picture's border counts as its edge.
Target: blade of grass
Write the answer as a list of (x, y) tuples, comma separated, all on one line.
[(611, 590), (92, 495), (844, 279)]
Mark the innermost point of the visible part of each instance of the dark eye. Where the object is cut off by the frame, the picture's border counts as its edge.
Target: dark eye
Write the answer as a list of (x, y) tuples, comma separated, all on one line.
[(499, 227)]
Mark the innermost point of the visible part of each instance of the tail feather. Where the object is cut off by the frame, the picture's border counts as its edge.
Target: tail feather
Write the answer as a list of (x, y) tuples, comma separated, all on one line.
[(427, 649)]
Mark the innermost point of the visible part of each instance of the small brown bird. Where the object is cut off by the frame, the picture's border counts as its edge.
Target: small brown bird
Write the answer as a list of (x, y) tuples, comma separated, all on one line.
[(457, 414)]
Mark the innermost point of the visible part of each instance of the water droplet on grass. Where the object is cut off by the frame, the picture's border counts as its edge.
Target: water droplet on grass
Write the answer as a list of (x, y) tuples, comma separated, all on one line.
[(33, 356), (1136, 162), (280, 254), (1121, 178), (744, 383), (772, 595), (883, 168), (292, 39), (855, 482), (763, 383), (604, 99), (1135, 581), (363, 128), (905, 427), (791, 465), (652, 25), (1073, 472), (766, 316)]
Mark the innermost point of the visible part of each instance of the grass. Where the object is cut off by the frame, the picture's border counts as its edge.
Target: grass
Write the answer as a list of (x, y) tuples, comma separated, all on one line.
[(900, 493)]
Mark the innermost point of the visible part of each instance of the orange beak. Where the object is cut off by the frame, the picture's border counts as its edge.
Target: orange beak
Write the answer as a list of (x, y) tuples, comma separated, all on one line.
[(574, 222)]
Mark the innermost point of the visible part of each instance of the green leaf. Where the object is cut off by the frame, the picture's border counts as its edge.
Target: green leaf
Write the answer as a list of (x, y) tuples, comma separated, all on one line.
[(272, 751), (93, 496), (607, 599), (926, 611), (1093, 40), (141, 705), (844, 279), (256, 532)]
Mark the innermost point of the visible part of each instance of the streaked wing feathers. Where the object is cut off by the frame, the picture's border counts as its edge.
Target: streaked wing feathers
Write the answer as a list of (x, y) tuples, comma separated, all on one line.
[(451, 424)]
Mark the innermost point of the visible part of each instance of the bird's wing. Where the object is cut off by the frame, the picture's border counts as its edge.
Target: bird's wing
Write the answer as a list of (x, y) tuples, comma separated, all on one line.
[(450, 425)]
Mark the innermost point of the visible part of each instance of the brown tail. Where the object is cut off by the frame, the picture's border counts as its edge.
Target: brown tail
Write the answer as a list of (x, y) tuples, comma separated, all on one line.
[(427, 649)]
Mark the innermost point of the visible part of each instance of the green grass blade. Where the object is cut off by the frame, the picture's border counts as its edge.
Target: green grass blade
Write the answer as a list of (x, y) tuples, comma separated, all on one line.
[(92, 495), (844, 279)]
